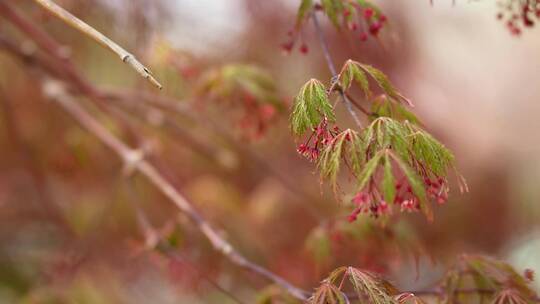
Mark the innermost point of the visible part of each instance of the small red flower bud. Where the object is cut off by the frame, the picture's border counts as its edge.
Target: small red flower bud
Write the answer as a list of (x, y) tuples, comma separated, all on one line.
[(408, 205), (304, 49), (287, 46), (360, 198), (383, 19), (528, 22), (368, 13), (374, 28), (346, 13), (353, 26), (267, 112), (363, 36), (383, 207)]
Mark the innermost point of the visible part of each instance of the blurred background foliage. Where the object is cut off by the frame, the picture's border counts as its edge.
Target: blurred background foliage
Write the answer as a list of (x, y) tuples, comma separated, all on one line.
[(68, 225)]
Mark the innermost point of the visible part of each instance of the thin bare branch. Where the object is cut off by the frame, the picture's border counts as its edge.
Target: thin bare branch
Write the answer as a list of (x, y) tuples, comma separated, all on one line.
[(89, 31), (55, 91), (154, 239), (332, 68)]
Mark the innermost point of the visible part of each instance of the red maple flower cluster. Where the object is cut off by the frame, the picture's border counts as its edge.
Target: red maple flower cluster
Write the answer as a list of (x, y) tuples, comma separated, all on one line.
[(366, 203), (365, 20), (371, 202), (321, 136), (256, 117), (518, 14), (294, 35), (362, 18), (437, 189)]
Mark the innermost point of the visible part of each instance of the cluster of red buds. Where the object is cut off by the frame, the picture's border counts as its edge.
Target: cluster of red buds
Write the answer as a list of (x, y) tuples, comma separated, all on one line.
[(437, 189), (288, 46), (256, 117), (365, 20), (321, 136), (358, 18), (369, 203), (364, 203), (518, 14)]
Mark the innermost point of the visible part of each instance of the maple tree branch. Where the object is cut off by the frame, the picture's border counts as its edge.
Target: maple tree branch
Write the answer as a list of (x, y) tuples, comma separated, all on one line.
[(56, 91), (154, 240), (129, 155), (176, 106), (358, 105), (89, 31), (332, 68), (60, 66)]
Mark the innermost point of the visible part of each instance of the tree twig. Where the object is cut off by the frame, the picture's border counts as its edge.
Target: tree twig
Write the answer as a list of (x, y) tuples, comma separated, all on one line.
[(60, 66), (153, 240), (55, 91), (86, 29), (332, 68)]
